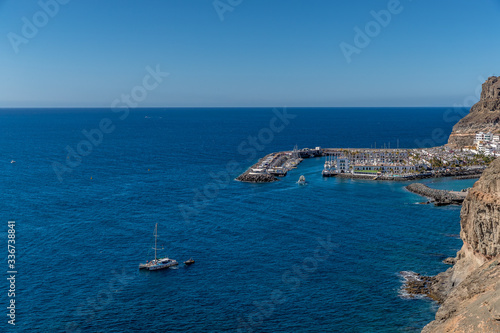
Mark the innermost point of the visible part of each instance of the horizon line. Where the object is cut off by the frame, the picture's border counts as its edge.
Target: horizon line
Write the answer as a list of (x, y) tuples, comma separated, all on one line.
[(218, 107)]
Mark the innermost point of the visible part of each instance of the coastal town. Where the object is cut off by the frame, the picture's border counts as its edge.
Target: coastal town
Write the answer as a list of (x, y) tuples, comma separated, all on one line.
[(487, 144), (383, 164)]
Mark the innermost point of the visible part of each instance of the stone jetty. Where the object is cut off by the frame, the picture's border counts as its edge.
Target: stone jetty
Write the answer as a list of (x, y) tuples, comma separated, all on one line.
[(250, 176), (439, 197), (261, 178), (271, 166)]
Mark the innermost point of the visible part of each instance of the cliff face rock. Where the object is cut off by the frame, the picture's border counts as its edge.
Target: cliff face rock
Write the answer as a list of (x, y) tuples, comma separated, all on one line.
[(484, 116), (470, 290), (480, 216), (472, 306)]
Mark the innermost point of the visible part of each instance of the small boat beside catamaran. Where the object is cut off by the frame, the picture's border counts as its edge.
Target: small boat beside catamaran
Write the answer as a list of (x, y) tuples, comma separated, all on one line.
[(302, 180), (158, 263)]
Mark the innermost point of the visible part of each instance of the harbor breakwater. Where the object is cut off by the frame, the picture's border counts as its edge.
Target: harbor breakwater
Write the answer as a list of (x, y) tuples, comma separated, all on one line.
[(250, 176), (439, 197), (271, 166)]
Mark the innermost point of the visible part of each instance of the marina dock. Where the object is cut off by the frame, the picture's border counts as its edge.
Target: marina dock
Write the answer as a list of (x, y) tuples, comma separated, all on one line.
[(271, 166), (372, 164)]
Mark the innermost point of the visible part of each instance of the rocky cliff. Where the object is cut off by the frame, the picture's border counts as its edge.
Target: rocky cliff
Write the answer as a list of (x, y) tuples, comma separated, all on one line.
[(484, 116), (470, 290)]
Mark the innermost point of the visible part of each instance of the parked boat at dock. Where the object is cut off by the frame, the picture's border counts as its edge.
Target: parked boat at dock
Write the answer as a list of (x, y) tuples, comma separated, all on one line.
[(330, 168)]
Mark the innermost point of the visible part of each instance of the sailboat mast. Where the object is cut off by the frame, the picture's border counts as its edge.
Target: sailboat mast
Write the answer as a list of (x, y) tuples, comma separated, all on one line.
[(156, 236)]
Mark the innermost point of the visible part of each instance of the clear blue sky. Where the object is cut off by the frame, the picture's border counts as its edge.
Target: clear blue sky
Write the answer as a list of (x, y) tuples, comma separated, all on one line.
[(264, 53)]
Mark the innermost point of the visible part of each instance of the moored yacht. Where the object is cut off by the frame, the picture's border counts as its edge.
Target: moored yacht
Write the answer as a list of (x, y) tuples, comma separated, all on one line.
[(330, 167), (158, 263), (162, 263)]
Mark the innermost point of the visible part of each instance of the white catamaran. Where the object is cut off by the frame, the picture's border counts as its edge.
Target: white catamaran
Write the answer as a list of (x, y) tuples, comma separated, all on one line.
[(158, 263)]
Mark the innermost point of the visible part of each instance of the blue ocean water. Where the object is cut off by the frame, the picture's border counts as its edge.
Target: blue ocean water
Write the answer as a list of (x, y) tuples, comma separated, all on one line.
[(269, 257)]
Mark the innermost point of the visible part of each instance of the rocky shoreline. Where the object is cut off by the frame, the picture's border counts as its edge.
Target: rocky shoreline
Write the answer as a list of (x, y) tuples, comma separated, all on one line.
[(438, 197), (416, 284), (469, 292)]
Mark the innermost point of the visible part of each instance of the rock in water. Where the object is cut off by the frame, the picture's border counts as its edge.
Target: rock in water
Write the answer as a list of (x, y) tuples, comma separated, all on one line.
[(484, 116), (450, 261)]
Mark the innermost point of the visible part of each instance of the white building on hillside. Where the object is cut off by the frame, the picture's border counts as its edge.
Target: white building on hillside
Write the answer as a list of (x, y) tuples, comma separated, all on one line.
[(487, 143)]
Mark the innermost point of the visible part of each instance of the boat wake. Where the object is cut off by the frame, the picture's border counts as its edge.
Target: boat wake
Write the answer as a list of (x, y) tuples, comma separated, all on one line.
[(456, 236)]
